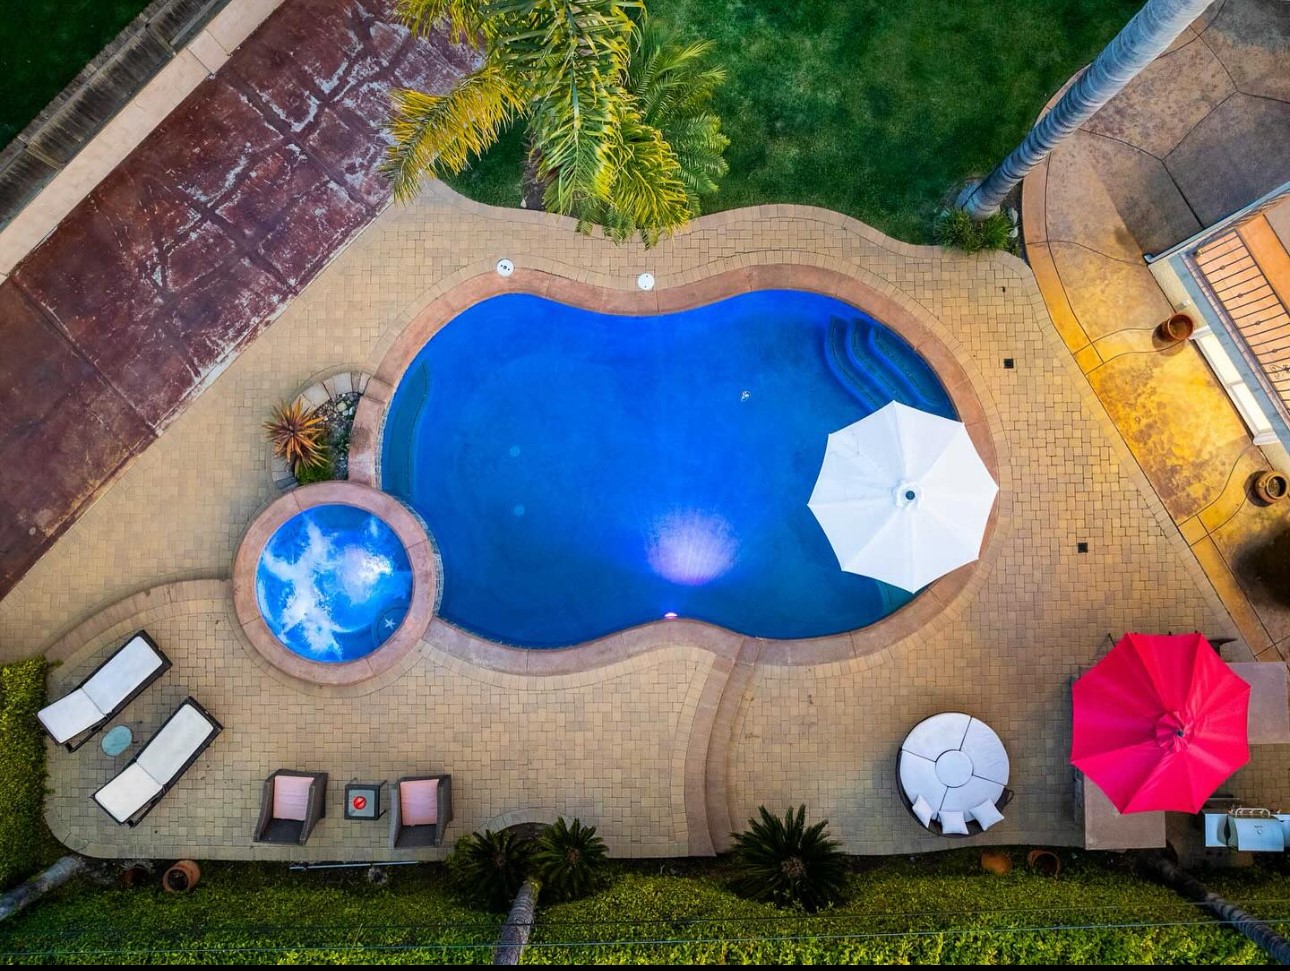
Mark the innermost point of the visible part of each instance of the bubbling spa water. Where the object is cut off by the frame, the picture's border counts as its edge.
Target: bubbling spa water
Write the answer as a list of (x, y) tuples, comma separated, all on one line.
[(333, 583)]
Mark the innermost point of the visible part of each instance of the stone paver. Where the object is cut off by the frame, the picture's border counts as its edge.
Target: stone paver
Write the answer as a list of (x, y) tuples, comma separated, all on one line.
[(1201, 133), (178, 258), (669, 748)]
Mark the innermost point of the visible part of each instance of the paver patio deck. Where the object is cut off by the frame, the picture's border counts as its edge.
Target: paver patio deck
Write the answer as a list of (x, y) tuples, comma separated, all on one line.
[(1201, 133), (665, 749)]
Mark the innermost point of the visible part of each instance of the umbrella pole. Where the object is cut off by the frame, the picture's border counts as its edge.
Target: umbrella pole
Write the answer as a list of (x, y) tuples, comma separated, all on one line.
[(1166, 871)]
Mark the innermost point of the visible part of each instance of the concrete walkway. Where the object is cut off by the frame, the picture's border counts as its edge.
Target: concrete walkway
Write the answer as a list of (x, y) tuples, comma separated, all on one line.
[(1204, 131), (153, 284)]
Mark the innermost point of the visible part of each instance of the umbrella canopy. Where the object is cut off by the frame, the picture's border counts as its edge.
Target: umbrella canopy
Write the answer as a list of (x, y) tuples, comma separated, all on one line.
[(903, 496), (1160, 723)]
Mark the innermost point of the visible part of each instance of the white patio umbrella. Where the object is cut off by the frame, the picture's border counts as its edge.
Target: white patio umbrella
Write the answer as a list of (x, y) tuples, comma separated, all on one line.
[(903, 496)]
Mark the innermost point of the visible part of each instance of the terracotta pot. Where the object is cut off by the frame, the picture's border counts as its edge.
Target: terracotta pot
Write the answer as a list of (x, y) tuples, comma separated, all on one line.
[(133, 877), (181, 877), (997, 862), (1270, 486), (1177, 328), (1044, 862)]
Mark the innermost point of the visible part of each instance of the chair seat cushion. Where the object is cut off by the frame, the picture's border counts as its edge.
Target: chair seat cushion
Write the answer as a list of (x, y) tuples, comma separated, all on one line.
[(419, 802), (128, 793), (177, 741), (953, 823), (69, 716), (129, 667), (291, 796), (923, 810)]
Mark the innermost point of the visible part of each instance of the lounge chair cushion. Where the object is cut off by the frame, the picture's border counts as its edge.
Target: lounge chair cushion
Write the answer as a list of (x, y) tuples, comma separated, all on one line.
[(419, 802), (291, 796), (129, 792), (918, 778), (70, 715), (987, 814), (953, 823), (923, 810), (130, 667), (167, 752)]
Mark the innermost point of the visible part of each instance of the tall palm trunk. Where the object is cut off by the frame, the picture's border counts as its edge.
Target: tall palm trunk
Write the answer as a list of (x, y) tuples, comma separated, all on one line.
[(39, 885), (1242, 921), (1143, 39), (519, 924)]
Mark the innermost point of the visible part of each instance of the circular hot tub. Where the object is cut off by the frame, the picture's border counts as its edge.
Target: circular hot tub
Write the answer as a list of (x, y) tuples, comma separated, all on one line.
[(335, 582)]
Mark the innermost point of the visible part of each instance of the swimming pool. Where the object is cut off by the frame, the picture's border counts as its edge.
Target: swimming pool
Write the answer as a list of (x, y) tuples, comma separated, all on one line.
[(584, 472), (333, 583)]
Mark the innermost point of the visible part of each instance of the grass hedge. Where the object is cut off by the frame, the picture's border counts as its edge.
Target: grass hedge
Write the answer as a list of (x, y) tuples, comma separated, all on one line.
[(25, 843), (939, 909), (257, 914)]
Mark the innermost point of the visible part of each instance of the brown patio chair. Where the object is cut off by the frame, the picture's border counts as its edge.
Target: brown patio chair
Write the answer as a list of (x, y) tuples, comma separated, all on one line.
[(291, 806), (420, 811)]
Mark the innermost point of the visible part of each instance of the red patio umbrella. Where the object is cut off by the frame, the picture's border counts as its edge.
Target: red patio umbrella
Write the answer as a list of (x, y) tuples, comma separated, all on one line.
[(1160, 722)]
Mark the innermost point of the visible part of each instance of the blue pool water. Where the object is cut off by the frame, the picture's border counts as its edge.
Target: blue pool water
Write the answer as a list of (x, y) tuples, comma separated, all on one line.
[(333, 583), (584, 472)]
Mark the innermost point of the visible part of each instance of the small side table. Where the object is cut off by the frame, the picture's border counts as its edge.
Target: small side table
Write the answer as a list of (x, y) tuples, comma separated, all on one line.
[(363, 800), (117, 740)]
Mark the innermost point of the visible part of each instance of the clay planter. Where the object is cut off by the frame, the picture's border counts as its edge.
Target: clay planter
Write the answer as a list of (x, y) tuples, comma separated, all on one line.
[(134, 877), (181, 877), (1177, 329), (1270, 486), (997, 862), (1044, 862)]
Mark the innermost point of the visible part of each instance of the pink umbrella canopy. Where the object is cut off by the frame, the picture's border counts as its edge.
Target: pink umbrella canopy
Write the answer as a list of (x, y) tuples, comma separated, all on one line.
[(1160, 723)]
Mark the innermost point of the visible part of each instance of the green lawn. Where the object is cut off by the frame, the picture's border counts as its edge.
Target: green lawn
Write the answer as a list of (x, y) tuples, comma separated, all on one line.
[(936, 908), (44, 44), (869, 107), (257, 914)]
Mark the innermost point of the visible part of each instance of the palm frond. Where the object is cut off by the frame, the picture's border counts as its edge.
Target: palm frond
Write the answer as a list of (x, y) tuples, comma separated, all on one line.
[(466, 19), (436, 135)]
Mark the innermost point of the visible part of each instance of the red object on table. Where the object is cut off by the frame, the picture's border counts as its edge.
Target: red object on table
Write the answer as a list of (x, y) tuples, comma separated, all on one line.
[(1160, 723)]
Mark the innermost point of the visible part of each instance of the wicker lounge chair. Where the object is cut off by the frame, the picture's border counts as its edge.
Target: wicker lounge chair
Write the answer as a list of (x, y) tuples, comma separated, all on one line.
[(420, 811), (134, 792), (74, 719), (291, 806)]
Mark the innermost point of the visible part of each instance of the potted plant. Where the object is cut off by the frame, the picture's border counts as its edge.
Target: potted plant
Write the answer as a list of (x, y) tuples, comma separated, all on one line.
[(1177, 328), (1270, 486), (181, 877)]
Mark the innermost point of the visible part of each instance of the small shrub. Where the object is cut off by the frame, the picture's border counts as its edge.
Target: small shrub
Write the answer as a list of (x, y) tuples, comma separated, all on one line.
[(23, 841), (957, 230), (569, 859), (324, 470), (488, 868), (785, 862), (296, 431)]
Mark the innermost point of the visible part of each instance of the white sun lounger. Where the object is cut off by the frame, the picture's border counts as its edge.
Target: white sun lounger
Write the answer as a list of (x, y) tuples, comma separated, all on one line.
[(73, 719), (140, 785)]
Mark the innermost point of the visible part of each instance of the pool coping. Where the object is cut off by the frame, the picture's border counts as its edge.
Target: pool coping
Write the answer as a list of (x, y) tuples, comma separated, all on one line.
[(369, 422), (422, 556)]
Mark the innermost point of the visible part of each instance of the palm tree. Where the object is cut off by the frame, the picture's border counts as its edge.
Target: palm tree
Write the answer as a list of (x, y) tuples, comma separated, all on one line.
[(789, 863), (566, 68), (1143, 39), (1166, 871)]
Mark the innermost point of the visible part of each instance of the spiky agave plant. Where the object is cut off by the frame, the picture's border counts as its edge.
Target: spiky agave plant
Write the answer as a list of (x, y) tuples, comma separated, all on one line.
[(296, 431), (788, 863), (568, 858), (489, 867)]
